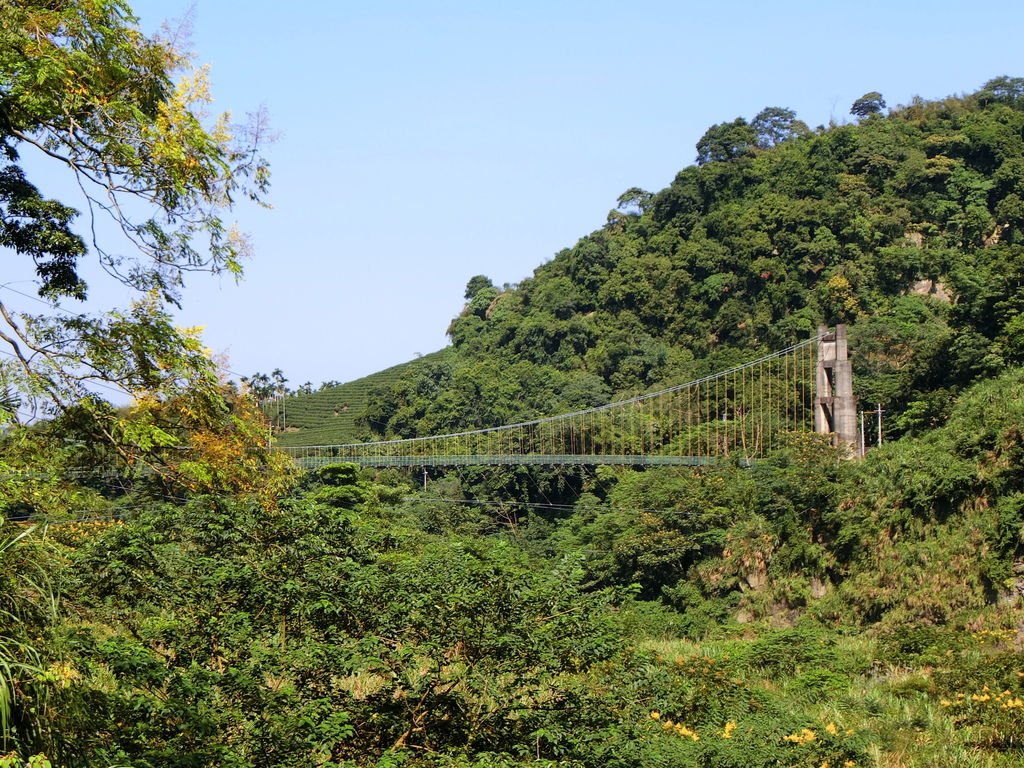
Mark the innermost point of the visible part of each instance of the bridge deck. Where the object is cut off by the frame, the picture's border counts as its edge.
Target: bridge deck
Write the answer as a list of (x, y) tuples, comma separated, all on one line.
[(311, 462)]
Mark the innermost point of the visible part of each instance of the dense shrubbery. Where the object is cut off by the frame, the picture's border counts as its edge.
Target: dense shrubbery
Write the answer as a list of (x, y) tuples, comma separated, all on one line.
[(805, 611), (218, 632)]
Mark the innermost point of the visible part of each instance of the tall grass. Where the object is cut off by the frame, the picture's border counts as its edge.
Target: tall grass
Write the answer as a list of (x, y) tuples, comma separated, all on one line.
[(17, 658)]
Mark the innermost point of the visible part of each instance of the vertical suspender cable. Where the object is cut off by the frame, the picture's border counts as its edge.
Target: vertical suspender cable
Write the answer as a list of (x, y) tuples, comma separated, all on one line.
[(735, 420), (718, 408), (689, 420)]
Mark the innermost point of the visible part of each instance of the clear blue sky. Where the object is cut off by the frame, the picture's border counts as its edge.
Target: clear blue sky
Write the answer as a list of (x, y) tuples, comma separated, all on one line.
[(422, 143)]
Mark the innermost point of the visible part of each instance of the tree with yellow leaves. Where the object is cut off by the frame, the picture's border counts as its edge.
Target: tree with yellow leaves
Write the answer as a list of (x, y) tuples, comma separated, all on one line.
[(125, 115)]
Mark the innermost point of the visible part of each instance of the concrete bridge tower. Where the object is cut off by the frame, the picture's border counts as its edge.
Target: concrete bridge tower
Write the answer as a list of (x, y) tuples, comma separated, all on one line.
[(835, 407)]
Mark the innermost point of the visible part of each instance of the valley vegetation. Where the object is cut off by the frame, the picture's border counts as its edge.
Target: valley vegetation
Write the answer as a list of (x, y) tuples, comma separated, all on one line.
[(172, 593)]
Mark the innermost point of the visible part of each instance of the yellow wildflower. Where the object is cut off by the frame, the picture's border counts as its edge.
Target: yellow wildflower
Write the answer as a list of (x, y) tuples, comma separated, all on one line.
[(729, 728), (62, 673), (805, 736), (686, 733), (831, 729)]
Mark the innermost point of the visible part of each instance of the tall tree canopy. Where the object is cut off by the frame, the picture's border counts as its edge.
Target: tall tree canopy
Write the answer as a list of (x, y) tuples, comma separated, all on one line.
[(125, 114), (774, 125), (870, 103), (726, 141)]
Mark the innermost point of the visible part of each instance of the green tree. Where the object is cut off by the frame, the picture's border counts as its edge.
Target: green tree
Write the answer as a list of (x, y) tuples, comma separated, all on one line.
[(634, 201), (774, 125), (726, 141), (123, 114), (263, 386), (321, 632), (476, 284), (870, 103), (1008, 90)]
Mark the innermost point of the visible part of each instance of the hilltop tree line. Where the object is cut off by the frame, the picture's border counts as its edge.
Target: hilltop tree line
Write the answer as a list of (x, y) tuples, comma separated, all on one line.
[(264, 386)]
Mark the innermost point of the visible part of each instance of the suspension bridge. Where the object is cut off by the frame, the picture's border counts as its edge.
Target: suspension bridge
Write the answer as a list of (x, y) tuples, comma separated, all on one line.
[(741, 414)]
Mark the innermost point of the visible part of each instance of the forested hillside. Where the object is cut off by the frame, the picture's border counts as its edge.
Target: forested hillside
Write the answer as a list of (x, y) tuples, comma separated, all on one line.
[(177, 595), (907, 225)]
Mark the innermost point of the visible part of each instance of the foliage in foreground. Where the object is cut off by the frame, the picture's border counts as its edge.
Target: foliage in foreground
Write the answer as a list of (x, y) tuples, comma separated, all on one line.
[(221, 633), (123, 116), (806, 612)]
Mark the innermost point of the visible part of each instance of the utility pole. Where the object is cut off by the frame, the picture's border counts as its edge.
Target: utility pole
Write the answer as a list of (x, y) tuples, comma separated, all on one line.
[(863, 448), (877, 413)]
